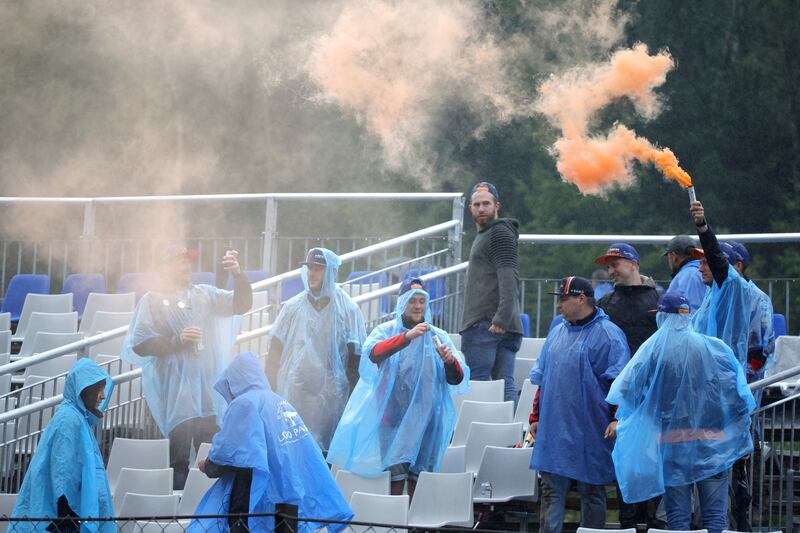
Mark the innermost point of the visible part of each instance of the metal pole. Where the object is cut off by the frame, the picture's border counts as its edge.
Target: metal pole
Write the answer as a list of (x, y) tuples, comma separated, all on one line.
[(789, 501), (89, 216), (269, 260)]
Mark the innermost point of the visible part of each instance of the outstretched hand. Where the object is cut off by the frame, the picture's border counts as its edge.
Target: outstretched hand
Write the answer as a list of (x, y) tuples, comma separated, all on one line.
[(698, 213)]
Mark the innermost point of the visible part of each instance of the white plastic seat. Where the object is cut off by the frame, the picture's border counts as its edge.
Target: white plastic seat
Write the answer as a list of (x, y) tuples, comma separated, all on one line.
[(651, 530), (49, 323), (481, 391), (471, 411), (5, 321), (142, 481), (5, 384), (109, 303), (106, 321), (482, 435), (146, 505), (197, 484), (530, 347), (522, 371), (442, 499), (378, 508), (43, 341), (592, 530), (5, 340), (42, 303), (202, 453), (456, 338), (787, 356), (52, 367), (136, 453), (508, 470), (525, 403), (349, 483), (454, 460), (7, 502)]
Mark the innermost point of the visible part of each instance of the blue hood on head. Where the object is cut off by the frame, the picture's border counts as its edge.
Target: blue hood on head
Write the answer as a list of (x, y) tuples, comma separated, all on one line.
[(245, 373), (83, 374)]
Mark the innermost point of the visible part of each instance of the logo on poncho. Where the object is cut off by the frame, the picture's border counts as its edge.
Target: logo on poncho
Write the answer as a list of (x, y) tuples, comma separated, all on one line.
[(293, 426)]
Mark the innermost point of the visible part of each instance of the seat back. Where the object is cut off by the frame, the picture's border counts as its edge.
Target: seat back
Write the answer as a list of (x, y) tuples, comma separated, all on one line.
[(18, 289), (526, 324), (7, 502), (197, 484), (43, 341), (530, 348), (5, 341), (507, 469), (105, 321), (47, 323), (454, 460), (779, 324), (52, 367), (5, 383), (442, 499), (456, 338), (109, 303), (136, 453), (349, 483), (291, 287), (42, 303), (202, 452), (5, 321), (482, 435), (204, 278), (494, 412), (378, 508), (522, 371), (80, 285), (481, 391), (525, 403), (149, 505), (141, 481)]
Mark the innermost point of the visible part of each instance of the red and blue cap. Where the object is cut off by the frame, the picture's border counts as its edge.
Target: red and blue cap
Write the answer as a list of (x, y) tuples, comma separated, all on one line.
[(619, 249), (741, 250), (574, 286), (315, 257), (486, 186), (673, 302), (410, 284)]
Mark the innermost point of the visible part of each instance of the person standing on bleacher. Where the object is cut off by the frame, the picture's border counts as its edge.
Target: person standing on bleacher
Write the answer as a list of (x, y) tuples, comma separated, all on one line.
[(491, 329), (571, 422), (629, 306), (182, 336), (685, 266)]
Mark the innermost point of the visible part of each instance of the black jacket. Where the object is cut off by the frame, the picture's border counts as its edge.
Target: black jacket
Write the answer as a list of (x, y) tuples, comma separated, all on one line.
[(628, 307)]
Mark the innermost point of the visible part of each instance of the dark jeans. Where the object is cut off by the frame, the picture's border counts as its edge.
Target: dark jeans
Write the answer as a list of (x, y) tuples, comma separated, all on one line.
[(741, 497), (491, 355), (554, 498), (199, 430), (631, 514), (713, 492)]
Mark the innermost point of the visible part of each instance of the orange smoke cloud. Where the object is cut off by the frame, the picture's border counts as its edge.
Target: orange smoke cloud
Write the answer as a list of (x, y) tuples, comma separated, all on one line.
[(571, 101)]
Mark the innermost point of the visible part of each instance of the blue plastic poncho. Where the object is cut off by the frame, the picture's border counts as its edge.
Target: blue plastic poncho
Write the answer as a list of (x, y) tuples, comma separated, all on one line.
[(313, 368), (574, 372), (263, 432), (67, 460), (725, 313), (761, 334), (400, 411), (684, 411), (180, 387), (689, 283)]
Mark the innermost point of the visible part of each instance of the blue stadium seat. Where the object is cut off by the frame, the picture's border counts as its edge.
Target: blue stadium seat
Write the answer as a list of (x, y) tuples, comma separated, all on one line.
[(204, 278), (19, 287), (136, 282), (435, 289), (602, 289), (526, 324), (779, 324), (291, 288), (252, 276), (80, 285)]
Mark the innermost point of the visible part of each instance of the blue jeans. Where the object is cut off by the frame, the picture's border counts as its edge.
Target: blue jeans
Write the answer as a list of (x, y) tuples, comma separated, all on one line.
[(553, 500), (491, 355), (713, 493)]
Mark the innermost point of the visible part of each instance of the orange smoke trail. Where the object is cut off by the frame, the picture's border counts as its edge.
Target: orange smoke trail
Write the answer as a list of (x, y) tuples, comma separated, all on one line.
[(571, 101)]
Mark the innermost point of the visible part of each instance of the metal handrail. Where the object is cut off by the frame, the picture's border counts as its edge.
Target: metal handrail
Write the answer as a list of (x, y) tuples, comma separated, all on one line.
[(650, 239), (402, 196), (775, 378)]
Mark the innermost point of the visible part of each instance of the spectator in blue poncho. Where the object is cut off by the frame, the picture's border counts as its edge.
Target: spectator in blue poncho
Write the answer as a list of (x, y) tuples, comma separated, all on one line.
[(572, 423), (684, 416), (316, 346), (182, 336), (400, 416), (686, 278), (66, 477), (264, 455)]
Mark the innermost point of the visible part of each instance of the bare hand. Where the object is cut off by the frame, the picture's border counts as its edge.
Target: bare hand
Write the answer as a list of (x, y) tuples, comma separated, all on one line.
[(201, 464), (698, 212), (417, 331), (494, 328), (611, 430), (230, 262), (191, 334), (446, 354)]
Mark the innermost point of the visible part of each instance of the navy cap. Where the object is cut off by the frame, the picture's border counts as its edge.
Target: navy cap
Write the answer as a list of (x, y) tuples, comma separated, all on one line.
[(673, 302), (315, 257), (730, 254), (485, 186), (574, 286), (619, 249), (409, 284), (741, 249)]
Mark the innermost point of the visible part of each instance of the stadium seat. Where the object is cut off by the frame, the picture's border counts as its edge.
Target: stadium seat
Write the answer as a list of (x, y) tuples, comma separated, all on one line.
[(7, 502), (141, 481), (18, 289), (349, 483), (522, 371), (442, 499), (52, 367), (252, 276), (507, 469), (526, 324), (787, 356), (454, 460), (291, 287), (202, 452), (42, 303), (481, 391), (109, 303), (363, 282), (45, 340), (5, 386), (80, 285), (136, 282), (456, 338), (136, 453), (590, 530), (472, 411), (5, 321), (204, 278), (531, 347), (779, 324), (105, 321), (378, 508), (482, 434), (47, 323), (525, 403), (197, 484), (652, 530), (147, 505), (5, 341)]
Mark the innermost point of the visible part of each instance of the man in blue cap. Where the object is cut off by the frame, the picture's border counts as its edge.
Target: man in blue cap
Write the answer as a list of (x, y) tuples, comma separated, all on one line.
[(491, 329), (629, 306), (685, 267), (572, 422)]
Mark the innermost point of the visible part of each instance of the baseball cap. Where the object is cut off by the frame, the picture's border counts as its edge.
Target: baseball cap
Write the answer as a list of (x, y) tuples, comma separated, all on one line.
[(409, 284), (619, 249), (673, 302), (681, 243), (178, 251), (574, 286), (741, 249), (730, 254), (485, 186), (315, 257)]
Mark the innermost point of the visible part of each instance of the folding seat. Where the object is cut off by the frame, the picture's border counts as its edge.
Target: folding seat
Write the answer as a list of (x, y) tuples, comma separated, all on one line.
[(454, 460), (442, 499), (45, 340), (525, 404), (109, 303), (197, 484), (378, 508), (522, 370), (508, 472), (493, 412), (80, 285), (481, 391), (136, 453), (41, 303), (142, 481), (349, 483), (18, 289), (482, 435)]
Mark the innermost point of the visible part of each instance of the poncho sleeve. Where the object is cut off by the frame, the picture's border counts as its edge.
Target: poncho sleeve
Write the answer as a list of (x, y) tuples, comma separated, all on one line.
[(367, 369), (66, 462), (241, 441)]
